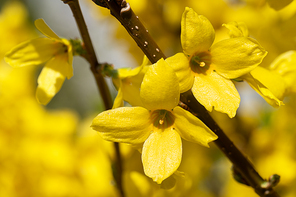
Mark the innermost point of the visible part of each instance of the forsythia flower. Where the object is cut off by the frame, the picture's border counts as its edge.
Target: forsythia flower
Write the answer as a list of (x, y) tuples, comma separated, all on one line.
[(285, 66), (159, 124), (270, 85), (207, 70), (128, 83), (57, 52)]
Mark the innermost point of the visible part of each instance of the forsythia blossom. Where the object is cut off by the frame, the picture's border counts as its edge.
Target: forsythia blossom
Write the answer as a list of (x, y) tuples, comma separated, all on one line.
[(207, 69), (158, 125), (57, 52), (128, 82), (270, 85)]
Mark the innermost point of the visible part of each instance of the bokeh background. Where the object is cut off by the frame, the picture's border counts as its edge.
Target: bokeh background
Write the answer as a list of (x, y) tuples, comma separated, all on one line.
[(51, 150)]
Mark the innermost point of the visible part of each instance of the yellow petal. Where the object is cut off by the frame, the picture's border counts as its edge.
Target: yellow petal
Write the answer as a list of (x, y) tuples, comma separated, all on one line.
[(197, 33), (124, 124), (69, 55), (128, 72), (118, 101), (162, 153), (191, 128), (268, 84), (284, 65), (45, 29), (277, 5), (160, 87), (237, 29), (180, 65), (213, 90), (33, 52), (235, 57), (51, 79)]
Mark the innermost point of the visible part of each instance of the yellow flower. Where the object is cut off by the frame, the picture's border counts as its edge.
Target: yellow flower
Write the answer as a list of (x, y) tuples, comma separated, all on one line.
[(285, 66), (57, 52), (270, 85), (207, 70), (159, 124), (128, 83)]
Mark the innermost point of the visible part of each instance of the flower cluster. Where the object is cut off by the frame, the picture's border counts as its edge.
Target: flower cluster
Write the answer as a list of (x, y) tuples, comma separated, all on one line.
[(155, 124), (55, 51)]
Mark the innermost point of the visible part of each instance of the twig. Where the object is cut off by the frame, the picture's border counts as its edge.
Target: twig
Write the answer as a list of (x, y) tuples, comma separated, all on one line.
[(101, 83), (123, 12)]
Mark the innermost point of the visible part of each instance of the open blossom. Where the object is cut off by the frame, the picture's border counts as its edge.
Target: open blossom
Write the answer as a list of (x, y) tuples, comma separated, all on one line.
[(55, 51), (128, 82), (157, 126), (207, 69), (266, 82)]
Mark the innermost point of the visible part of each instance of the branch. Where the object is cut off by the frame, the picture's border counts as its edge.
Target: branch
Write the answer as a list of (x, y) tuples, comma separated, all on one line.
[(124, 14), (96, 69)]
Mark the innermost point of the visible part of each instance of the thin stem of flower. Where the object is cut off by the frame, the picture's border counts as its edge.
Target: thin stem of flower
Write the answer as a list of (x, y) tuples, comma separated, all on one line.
[(91, 55), (96, 69), (124, 14)]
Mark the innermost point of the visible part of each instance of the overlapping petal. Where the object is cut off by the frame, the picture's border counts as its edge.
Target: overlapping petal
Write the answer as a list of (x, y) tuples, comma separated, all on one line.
[(160, 87), (128, 83), (32, 53), (237, 29), (161, 154), (268, 84), (125, 124), (236, 56), (68, 47), (285, 65), (213, 90), (180, 65), (197, 33), (191, 128), (51, 79), (45, 29), (118, 101)]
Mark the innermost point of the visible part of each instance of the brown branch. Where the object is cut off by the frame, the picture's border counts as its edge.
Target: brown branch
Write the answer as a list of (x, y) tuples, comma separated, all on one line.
[(124, 14), (96, 69)]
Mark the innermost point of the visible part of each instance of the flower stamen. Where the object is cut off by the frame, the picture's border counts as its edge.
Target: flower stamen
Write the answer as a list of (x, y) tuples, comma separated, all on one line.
[(200, 62), (162, 118)]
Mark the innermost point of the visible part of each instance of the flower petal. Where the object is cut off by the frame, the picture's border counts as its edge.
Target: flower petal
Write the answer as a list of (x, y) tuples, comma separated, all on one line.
[(125, 124), (180, 65), (161, 154), (118, 101), (197, 33), (51, 79), (235, 57), (284, 65), (213, 90), (160, 87), (45, 29), (237, 29), (128, 72), (268, 84), (33, 52), (69, 72), (191, 128)]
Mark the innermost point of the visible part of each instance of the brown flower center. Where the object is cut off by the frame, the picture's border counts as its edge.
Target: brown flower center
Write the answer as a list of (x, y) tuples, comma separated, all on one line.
[(200, 62), (162, 118)]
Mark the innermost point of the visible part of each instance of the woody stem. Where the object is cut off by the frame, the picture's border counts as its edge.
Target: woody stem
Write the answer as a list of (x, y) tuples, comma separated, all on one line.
[(96, 69)]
